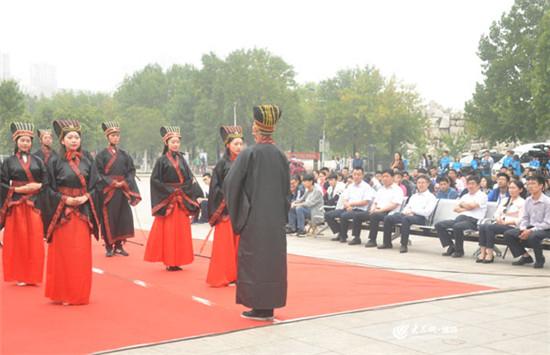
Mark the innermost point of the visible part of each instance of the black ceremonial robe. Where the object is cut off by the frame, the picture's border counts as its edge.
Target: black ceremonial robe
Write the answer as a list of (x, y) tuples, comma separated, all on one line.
[(216, 202), (256, 190), (70, 179), (15, 172), (45, 154), (115, 165), (171, 181)]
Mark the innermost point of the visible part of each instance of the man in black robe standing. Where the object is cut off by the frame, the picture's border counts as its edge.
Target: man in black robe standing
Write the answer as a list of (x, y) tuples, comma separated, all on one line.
[(118, 191), (256, 190)]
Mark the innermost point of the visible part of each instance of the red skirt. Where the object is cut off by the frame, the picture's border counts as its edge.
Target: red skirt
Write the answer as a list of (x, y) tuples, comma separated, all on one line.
[(223, 262), (23, 251), (170, 239), (69, 266)]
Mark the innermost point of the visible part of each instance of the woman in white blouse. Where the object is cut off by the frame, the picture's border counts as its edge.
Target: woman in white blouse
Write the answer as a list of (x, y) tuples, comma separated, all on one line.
[(507, 216)]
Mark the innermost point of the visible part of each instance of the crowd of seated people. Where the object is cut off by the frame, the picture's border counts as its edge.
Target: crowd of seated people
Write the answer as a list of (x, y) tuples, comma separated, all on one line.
[(393, 197)]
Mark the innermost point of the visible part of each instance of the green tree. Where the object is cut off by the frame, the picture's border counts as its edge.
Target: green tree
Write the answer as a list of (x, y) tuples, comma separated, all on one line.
[(512, 102), (12, 107)]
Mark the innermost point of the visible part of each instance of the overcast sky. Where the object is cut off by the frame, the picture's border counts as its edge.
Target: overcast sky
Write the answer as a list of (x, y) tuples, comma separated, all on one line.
[(93, 44)]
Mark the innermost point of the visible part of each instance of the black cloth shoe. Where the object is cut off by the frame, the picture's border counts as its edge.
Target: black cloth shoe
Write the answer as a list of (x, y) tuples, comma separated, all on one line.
[(335, 239), (355, 241), (109, 252), (457, 254), (489, 261), (449, 251), (120, 250), (370, 244), (403, 249), (384, 246), (539, 263), (301, 233), (173, 268), (258, 314), (290, 230), (523, 260)]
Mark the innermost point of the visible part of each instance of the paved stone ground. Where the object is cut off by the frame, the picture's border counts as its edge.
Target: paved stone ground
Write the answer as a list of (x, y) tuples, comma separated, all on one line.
[(513, 320)]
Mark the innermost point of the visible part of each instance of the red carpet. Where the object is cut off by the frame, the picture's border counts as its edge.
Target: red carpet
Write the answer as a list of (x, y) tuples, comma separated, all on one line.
[(172, 305)]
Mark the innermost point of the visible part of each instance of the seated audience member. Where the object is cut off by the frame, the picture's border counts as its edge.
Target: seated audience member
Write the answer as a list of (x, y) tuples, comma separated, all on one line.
[(375, 181), (203, 201), (485, 185), (354, 200), (445, 190), (507, 217), (470, 208), (296, 188), (500, 192), (308, 207), (398, 181), (387, 200), (533, 227), (417, 211), (335, 189)]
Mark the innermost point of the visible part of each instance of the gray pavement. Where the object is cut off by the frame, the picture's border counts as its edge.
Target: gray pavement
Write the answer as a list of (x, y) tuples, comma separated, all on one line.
[(514, 319)]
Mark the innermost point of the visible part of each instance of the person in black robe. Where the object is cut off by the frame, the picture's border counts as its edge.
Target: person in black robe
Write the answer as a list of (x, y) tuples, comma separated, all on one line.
[(173, 202), (45, 152), (72, 219), (23, 179), (117, 190), (256, 190), (222, 270)]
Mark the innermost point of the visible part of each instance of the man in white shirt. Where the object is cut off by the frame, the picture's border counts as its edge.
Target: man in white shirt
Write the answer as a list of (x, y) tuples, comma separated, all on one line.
[(388, 200), (471, 208), (354, 200), (417, 211)]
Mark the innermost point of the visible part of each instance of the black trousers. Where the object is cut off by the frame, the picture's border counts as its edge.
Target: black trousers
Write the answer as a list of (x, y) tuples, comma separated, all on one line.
[(511, 238), (374, 220), (406, 221), (488, 231), (457, 226), (345, 217)]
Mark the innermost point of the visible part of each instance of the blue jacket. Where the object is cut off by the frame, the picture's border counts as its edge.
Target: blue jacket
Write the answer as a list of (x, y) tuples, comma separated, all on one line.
[(507, 161), (451, 194), (494, 195), (516, 165)]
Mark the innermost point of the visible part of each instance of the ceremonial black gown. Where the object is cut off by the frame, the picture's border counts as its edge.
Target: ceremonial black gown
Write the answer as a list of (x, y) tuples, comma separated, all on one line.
[(167, 183), (256, 190), (41, 153), (65, 181), (13, 171), (215, 192), (116, 218)]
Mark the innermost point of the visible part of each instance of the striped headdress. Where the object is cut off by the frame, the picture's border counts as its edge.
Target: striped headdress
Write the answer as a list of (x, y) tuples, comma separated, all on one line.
[(167, 132), (19, 129), (266, 117), (230, 132), (43, 132), (110, 127), (62, 127)]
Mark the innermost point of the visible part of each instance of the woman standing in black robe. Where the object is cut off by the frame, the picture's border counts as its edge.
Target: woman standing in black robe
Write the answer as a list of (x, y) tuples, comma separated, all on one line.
[(172, 203), (256, 190), (223, 263), (117, 190), (45, 152), (72, 219), (23, 177)]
